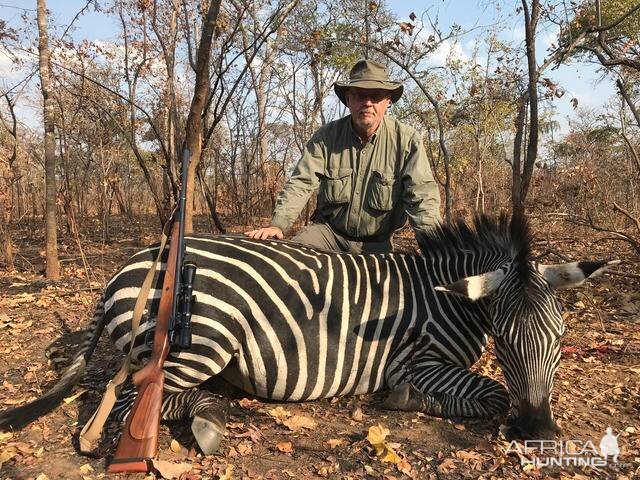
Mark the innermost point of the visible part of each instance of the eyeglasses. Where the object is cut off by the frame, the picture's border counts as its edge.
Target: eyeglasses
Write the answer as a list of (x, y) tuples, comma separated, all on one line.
[(360, 95)]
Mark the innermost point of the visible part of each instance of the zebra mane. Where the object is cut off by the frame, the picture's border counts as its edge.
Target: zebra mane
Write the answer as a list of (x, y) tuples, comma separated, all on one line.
[(502, 234)]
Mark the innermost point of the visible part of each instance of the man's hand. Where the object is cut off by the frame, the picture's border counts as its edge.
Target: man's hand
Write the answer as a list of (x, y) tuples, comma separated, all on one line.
[(264, 233)]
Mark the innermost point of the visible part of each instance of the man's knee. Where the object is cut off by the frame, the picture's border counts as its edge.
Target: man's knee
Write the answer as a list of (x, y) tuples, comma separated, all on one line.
[(317, 235)]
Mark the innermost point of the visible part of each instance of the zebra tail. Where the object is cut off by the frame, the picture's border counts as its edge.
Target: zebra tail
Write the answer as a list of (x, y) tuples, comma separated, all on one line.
[(19, 417)]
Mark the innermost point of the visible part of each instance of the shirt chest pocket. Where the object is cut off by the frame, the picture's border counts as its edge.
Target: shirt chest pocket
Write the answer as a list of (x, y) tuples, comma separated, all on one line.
[(383, 191), (335, 186)]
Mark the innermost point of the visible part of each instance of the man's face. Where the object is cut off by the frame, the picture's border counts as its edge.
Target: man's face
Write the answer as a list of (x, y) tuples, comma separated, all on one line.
[(367, 107)]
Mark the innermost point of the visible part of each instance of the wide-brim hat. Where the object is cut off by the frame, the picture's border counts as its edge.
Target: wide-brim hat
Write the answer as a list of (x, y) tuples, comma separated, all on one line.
[(369, 74)]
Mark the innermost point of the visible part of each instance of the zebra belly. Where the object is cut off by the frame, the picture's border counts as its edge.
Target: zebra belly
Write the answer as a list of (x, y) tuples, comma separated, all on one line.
[(323, 373), (247, 383)]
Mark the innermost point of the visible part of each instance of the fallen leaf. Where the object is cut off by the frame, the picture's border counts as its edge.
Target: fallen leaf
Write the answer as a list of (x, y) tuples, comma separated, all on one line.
[(356, 414), (279, 413), (404, 466), (252, 432), (377, 434), (467, 455), (335, 442), (85, 469), (447, 465), (228, 473), (175, 446), (298, 422), (23, 448), (285, 447), (248, 404), (244, 449), (7, 454), (389, 456), (170, 470), (384, 452)]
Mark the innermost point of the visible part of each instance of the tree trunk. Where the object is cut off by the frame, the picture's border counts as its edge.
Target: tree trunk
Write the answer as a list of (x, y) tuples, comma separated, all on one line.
[(480, 194), (168, 44), (628, 101), (51, 246), (209, 196), (12, 193), (516, 200), (531, 21), (193, 139)]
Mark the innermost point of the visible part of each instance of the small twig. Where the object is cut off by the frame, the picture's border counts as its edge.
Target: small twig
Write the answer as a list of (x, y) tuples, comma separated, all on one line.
[(63, 294), (558, 240), (553, 252), (601, 393), (597, 310), (588, 222), (623, 274), (636, 220)]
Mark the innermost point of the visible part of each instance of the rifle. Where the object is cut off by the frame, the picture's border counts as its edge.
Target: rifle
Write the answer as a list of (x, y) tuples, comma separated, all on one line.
[(139, 441)]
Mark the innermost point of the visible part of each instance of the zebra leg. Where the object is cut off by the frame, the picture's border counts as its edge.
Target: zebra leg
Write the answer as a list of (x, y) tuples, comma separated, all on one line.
[(449, 391), (208, 411)]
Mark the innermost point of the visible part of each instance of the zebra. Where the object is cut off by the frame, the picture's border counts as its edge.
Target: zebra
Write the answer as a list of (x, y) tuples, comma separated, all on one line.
[(288, 322)]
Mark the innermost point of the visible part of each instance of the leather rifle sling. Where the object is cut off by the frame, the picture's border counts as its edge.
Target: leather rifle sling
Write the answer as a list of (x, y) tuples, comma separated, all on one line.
[(92, 430)]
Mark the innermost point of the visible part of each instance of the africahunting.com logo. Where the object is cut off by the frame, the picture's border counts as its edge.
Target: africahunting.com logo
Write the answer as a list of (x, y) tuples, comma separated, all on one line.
[(564, 453)]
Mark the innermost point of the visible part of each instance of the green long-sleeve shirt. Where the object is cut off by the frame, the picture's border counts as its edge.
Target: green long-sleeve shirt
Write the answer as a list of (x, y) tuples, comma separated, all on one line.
[(364, 190)]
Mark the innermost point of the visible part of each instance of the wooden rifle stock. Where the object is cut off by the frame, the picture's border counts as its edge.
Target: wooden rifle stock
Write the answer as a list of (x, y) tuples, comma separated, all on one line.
[(139, 441)]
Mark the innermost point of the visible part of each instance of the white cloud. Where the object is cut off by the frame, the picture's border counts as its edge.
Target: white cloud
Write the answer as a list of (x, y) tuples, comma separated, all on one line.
[(548, 38), (517, 33), (12, 66), (445, 52)]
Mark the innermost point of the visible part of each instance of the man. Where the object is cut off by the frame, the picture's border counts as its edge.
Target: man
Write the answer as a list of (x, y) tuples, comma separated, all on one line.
[(372, 173)]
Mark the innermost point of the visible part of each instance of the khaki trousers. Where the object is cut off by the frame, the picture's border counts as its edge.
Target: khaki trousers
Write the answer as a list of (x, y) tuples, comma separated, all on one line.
[(321, 235)]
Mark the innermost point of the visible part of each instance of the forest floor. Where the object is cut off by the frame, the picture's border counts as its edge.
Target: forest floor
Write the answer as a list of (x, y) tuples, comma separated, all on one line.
[(597, 385)]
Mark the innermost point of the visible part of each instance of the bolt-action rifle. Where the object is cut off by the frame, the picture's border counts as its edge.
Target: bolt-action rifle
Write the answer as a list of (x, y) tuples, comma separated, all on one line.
[(138, 444)]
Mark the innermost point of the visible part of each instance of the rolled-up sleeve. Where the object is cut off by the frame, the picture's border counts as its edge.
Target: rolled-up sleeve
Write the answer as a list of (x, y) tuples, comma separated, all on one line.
[(303, 182), (421, 195)]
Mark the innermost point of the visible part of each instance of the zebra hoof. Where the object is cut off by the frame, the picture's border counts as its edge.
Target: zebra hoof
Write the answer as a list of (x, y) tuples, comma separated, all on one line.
[(405, 397), (208, 434)]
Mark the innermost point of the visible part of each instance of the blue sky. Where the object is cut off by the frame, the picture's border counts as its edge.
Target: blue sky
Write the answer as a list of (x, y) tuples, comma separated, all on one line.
[(579, 80)]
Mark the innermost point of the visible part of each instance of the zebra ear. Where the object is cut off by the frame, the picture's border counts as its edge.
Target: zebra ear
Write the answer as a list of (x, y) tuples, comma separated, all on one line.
[(565, 275), (475, 287)]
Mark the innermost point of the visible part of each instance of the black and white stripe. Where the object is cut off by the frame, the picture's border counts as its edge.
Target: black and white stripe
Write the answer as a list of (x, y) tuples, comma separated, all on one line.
[(287, 322)]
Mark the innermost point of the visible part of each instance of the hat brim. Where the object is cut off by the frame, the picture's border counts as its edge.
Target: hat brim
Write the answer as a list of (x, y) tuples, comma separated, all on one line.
[(395, 88)]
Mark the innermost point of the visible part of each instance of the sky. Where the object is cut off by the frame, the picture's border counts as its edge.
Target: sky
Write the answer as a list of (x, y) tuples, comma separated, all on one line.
[(581, 81)]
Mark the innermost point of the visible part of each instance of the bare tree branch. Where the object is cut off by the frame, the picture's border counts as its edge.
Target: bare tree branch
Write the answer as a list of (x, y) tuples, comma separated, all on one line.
[(636, 220)]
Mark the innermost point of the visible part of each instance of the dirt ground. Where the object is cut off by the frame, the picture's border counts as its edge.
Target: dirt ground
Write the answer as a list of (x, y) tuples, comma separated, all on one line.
[(598, 384)]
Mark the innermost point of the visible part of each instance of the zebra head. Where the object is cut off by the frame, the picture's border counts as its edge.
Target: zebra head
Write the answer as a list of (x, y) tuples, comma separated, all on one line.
[(527, 327)]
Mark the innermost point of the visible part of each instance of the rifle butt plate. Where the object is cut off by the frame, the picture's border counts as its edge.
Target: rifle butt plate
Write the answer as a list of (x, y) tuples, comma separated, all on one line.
[(130, 465)]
